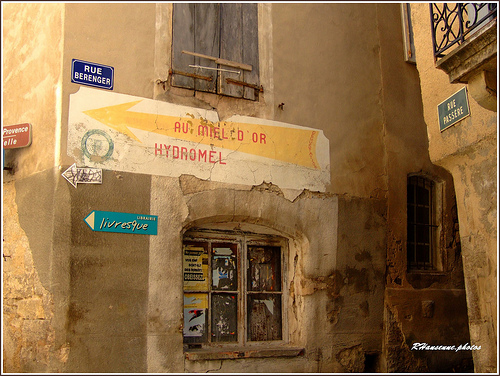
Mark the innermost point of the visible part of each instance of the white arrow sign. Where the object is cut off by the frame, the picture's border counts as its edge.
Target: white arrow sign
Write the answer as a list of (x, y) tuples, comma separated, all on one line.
[(86, 175)]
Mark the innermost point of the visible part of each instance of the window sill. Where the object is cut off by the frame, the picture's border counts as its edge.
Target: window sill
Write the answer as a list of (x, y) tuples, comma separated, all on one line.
[(426, 272), (217, 354)]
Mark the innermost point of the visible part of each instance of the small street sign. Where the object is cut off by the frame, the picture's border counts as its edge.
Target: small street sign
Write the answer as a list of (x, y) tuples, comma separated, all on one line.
[(453, 109), (86, 175), (122, 222), (16, 136), (92, 74)]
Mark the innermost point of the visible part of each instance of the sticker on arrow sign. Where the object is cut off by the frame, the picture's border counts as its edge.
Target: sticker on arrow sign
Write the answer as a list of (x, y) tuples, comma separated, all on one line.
[(85, 175)]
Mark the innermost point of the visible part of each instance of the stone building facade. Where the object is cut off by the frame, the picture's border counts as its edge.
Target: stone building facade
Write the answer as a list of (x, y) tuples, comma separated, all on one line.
[(468, 149), (242, 204)]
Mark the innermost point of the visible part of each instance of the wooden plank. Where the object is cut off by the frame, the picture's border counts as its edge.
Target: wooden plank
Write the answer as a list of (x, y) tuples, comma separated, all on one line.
[(206, 42), (221, 61), (217, 353), (182, 38), (231, 47)]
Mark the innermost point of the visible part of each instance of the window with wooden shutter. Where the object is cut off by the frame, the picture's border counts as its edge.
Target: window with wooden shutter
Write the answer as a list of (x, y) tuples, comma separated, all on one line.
[(215, 48)]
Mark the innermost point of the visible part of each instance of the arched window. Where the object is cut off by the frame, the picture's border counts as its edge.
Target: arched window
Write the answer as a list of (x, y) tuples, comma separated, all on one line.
[(421, 227)]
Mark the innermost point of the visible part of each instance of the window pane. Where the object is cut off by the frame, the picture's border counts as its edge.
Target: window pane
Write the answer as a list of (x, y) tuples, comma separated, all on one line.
[(422, 196), (224, 267), (264, 317), (195, 266), (195, 318), (411, 254), (264, 272), (423, 215), (423, 234), (410, 233), (420, 222), (224, 318), (410, 194), (422, 254)]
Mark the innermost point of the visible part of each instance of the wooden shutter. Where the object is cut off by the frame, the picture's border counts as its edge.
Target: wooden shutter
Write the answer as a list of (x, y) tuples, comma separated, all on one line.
[(228, 31), (196, 28), (207, 29), (239, 42)]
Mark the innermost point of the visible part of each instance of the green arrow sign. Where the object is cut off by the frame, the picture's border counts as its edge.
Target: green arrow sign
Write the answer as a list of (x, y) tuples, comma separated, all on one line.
[(122, 222)]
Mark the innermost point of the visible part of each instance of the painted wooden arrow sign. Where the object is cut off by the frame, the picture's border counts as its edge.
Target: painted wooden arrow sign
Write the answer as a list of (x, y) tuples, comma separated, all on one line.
[(293, 145), (126, 133), (87, 175), (129, 223)]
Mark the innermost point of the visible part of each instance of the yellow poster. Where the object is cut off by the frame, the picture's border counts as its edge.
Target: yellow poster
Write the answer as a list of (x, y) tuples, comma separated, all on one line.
[(195, 268)]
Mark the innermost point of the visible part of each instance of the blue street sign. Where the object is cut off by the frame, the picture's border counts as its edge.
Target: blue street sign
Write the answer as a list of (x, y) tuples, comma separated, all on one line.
[(122, 222), (92, 74)]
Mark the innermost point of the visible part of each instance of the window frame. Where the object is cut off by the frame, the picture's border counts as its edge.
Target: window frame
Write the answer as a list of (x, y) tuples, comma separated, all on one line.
[(408, 38), (243, 241), (434, 225)]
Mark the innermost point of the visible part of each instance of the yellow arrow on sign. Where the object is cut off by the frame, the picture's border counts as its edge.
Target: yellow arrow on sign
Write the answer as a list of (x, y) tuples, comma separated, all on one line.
[(292, 145)]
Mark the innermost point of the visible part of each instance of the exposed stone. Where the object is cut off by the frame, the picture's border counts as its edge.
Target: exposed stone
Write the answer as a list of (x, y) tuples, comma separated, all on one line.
[(28, 308), (352, 359)]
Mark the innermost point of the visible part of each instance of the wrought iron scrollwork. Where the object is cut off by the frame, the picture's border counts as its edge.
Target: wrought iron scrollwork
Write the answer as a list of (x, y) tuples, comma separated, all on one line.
[(453, 23)]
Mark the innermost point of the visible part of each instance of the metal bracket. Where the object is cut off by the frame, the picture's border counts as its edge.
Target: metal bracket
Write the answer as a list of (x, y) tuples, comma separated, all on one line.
[(242, 83), (193, 75)]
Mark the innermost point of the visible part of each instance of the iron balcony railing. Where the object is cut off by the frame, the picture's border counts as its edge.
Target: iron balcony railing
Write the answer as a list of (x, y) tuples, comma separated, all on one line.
[(454, 23)]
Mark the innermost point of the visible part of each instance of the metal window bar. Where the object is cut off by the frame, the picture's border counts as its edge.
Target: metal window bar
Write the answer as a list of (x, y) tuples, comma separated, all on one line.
[(453, 23), (417, 259)]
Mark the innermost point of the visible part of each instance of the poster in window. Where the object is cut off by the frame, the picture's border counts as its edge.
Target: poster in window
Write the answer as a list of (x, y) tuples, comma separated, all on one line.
[(264, 272), (224, 271), (264, 317), (195, 315), (195, 268), (224, 318)]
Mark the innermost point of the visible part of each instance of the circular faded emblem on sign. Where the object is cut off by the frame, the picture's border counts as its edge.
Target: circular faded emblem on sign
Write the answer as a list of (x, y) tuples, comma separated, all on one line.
[(97, 145)]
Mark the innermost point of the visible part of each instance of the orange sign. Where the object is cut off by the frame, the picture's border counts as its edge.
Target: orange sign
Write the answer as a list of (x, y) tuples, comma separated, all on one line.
[(16, 136)]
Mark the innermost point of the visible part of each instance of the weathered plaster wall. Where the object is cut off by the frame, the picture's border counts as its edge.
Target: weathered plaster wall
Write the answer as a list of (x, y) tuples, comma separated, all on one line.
[(117, 299), (436, 88), (121, 36), (435, 316), (335, 282), (106, 319), (406, 145), (31, 51), (32, 68), (469, 151), (327, 74)]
